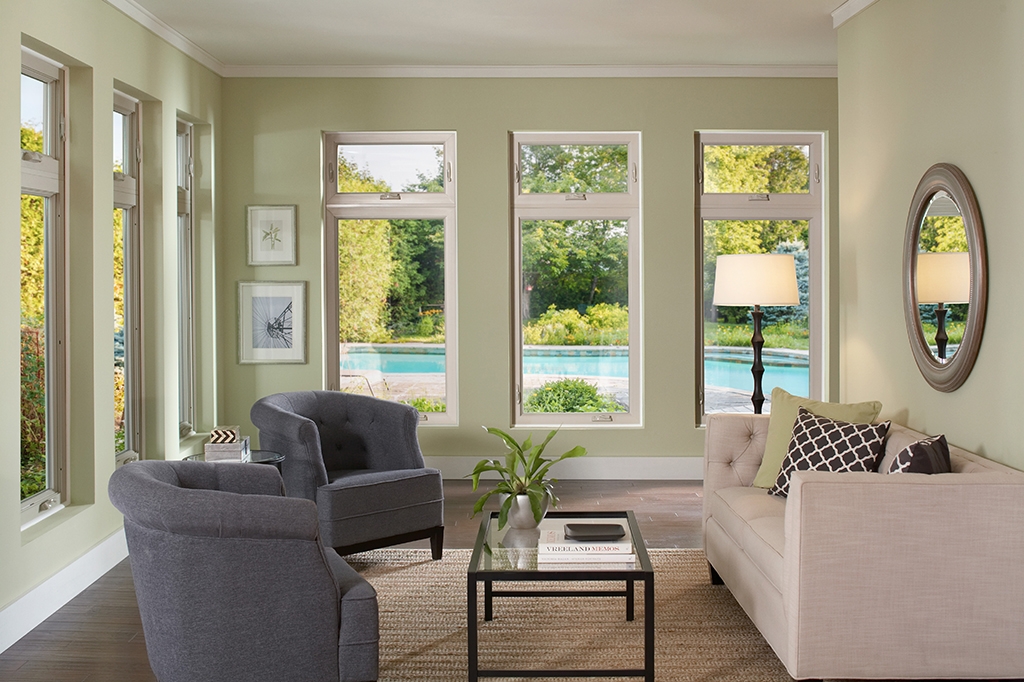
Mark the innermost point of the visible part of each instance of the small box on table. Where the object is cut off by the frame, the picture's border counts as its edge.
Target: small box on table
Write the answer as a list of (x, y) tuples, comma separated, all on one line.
[(237, 451)]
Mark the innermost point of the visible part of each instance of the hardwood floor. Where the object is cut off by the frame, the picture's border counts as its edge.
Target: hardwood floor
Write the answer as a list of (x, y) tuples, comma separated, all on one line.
[(97, 636)]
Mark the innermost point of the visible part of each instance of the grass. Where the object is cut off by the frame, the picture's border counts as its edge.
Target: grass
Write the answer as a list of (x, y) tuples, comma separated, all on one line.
[(786, 335)]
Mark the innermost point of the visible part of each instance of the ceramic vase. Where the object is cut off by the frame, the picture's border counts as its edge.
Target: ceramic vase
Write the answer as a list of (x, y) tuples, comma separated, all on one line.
[(520, 515)]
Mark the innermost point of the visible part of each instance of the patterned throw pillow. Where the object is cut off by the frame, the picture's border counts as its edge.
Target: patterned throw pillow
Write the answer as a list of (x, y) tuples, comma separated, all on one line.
[(927, 456), (823, 444)]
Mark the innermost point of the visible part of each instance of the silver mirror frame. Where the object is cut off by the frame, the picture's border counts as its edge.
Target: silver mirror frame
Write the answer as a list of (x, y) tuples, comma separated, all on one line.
[(950, 375)]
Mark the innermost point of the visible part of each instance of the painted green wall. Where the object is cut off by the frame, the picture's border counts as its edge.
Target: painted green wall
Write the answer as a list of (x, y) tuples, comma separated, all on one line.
[(102, 46), (271, 154), (922, 82)]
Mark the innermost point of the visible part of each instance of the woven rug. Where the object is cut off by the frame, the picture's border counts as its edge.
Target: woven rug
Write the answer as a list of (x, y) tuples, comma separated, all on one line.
[(701, 633)]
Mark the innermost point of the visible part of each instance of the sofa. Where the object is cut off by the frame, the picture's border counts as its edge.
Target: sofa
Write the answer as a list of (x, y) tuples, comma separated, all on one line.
[(869, 575)]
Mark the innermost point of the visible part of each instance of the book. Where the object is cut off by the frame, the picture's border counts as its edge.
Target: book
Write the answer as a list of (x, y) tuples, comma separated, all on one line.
[(237, 451), (593, 566), (584, 558), (553, 541)]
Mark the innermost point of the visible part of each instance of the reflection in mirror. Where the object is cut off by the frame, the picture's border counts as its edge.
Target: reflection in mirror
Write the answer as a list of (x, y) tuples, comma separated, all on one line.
[(943, 276)]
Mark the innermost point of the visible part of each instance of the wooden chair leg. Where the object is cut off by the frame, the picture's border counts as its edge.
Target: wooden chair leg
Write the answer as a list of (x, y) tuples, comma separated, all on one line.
[(437, 543)]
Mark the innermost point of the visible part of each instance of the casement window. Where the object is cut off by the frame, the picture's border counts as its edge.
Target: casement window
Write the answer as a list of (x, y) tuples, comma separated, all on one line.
[(127, 257), (392, 323), (759, 193), (44, 475), (186, 296), (576, 226)]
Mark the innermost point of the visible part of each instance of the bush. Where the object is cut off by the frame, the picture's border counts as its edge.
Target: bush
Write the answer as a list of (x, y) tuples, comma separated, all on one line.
[(426, 404), (570, 395), (604, 324), (33, 411)]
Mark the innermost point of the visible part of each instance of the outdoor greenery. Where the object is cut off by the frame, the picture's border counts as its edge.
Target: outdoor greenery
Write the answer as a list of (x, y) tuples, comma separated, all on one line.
[(120, 431), (604, 324), (781, 335), (426, 404), (569, 395), (548, 169)]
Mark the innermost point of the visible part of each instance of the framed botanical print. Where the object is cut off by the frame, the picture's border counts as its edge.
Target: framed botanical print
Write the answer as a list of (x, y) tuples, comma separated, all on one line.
[(271, 322), (271, 235)]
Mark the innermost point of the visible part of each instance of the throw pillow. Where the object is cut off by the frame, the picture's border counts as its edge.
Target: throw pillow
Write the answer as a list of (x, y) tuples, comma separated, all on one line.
[(823, 444), (927, 456), (783, 417)]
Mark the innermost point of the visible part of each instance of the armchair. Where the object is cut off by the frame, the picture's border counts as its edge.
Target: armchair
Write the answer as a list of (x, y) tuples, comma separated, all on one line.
[(232, 582), (358, 458)]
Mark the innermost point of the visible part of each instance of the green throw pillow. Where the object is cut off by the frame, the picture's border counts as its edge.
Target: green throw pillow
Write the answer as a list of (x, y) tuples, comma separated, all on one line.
[(780, 427)]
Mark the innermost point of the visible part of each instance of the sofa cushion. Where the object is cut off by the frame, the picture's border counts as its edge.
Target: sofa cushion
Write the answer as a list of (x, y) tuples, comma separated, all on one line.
[(926, 456), (783, 418), (756, 523), (823, 444)]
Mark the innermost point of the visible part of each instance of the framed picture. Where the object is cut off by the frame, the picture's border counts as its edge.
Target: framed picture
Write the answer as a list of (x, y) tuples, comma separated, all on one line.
[(271, 235), (271, 322)]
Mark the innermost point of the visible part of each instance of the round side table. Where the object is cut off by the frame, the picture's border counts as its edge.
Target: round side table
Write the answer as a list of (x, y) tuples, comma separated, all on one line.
[(255, 457)]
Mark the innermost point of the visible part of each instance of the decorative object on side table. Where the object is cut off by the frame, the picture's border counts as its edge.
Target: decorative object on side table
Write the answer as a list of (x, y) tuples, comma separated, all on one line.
[(271, 232), (756, 279), (271, 322), (226, 444), (524, 484)]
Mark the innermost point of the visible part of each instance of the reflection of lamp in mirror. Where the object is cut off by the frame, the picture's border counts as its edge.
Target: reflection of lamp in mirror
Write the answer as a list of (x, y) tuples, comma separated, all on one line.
[(756, 279), (943, 278)]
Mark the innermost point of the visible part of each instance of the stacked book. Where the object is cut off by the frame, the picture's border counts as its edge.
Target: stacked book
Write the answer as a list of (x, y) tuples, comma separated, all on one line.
[(226, 444), (557, 552)]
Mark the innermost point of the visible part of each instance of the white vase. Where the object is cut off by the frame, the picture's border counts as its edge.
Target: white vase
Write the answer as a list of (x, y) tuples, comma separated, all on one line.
[(520, 514)]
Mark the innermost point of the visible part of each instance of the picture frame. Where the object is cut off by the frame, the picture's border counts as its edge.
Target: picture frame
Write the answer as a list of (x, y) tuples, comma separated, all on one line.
[(271, 322), (271, 235)]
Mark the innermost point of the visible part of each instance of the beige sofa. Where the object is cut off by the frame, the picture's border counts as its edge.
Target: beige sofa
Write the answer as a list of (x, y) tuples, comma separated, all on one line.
[(866, 575)]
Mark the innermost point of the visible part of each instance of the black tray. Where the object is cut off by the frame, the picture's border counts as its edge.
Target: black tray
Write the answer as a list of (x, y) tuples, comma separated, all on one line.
[(593, 531)]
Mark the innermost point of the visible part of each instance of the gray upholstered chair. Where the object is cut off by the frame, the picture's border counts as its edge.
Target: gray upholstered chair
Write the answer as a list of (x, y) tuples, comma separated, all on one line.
[(358, 458), (232, 581)]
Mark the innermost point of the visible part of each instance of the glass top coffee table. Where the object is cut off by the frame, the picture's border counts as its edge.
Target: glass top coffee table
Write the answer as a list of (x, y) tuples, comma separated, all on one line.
[(511, 555)]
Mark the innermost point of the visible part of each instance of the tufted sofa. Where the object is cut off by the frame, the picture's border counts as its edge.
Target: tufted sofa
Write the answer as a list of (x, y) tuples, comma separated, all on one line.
[(867, 575)]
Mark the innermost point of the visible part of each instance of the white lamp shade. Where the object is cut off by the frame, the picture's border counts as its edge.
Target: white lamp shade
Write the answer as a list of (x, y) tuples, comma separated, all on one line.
[(943, 277), (747, 279)]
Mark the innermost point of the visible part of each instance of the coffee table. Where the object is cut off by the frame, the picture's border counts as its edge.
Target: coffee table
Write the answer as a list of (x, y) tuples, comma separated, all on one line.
[(500, 557)]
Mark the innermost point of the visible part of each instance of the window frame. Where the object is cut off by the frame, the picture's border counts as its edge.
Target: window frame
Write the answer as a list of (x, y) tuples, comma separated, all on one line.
[(385, 206), (622, 206), (808, 206), (45, 176), (185, 150)]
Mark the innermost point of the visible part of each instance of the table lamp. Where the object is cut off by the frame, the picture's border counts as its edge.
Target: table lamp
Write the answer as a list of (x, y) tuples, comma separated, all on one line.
[(756, 279), (943, 278)]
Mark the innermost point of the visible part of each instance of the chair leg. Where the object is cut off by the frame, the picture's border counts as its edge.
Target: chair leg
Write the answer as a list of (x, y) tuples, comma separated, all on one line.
[(437, 543), (715, 578)]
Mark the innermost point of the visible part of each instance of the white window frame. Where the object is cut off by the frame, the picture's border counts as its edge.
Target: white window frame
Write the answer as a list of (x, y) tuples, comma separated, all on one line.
[(392, 206), (186, 277), (809, 206), (44, 176), (624, 206), (127, 198)]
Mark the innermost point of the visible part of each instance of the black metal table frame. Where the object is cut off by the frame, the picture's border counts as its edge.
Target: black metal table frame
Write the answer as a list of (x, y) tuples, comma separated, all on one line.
[(643, 573)]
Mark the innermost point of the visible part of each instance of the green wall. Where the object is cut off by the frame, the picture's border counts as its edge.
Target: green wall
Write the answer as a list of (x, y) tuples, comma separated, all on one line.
[(102, 47), (922, 82), (271, 154)]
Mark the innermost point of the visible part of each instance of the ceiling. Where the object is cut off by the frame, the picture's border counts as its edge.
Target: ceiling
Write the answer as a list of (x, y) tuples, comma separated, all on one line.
[(249, 35)]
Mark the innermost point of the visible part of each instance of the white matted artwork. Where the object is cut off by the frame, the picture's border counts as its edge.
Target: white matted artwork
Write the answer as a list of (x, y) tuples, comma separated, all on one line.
[(271, 232), (271, 322)]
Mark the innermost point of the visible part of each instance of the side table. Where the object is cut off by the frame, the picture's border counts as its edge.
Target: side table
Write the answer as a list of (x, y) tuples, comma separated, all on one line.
[(255, 457)]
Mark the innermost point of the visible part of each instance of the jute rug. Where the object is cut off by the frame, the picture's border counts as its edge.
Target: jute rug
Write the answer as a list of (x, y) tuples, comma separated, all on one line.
[(701, 633)]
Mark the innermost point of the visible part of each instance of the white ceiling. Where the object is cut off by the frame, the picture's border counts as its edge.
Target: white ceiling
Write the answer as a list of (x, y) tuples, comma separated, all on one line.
[(247, 36)]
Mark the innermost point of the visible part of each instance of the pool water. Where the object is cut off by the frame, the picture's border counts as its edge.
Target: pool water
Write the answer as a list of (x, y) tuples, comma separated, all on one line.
[(724, 373)]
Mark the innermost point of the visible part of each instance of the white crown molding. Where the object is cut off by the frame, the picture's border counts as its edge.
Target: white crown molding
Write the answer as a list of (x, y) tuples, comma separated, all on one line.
[(849, 10), (143, 17)]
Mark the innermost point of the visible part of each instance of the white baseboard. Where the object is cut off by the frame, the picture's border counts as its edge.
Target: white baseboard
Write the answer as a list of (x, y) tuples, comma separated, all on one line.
[(23, 615), (595, 468)]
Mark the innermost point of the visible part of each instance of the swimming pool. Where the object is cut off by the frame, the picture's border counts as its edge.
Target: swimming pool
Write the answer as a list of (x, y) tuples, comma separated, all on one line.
[(728, 369)]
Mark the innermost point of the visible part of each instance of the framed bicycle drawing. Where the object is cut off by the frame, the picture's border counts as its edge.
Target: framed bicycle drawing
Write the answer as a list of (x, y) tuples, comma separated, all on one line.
[(271, 322)]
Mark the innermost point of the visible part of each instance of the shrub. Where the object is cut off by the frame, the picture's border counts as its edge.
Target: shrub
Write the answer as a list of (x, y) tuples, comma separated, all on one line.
[(33, 411), (604, 324), (570, 395), (426, 404), (609, 316)]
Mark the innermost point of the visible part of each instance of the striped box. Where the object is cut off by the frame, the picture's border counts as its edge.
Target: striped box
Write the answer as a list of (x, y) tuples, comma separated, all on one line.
[(224, 434)]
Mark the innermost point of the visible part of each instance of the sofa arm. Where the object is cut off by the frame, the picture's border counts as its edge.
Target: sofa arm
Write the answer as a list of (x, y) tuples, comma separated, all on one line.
[(904, 575)]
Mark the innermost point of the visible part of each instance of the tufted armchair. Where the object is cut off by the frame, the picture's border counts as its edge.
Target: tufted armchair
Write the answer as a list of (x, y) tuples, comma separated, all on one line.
[(232, 581), (358, 458)]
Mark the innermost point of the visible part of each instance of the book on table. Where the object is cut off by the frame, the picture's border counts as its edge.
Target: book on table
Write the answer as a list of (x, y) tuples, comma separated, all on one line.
[(553, 543), (585, 566)]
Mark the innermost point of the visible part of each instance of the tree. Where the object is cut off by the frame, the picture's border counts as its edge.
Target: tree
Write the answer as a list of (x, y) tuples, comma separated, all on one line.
[(574, 168)]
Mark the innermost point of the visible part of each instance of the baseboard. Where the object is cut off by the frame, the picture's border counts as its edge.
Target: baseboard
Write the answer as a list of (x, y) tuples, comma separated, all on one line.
[(23, 615), (595, 468)]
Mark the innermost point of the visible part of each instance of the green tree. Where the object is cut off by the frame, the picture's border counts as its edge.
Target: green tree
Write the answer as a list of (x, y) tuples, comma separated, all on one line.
[(943, 234), (755, 169), (574, 168)]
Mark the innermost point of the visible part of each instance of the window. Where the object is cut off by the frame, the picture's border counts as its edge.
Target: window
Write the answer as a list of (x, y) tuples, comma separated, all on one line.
[(576, 224), (392, 322), (43, 375), (760, 193), (186, 300), (127, 280)]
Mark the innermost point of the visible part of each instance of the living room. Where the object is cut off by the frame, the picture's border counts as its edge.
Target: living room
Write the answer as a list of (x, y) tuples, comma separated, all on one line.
[(258, 141)]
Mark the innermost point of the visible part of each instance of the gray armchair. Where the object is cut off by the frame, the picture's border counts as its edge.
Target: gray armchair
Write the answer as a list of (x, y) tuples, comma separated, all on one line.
[(358, 458), (232, 582)]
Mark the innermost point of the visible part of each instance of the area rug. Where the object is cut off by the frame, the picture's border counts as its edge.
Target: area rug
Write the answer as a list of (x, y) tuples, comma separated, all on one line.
[(701, 633)]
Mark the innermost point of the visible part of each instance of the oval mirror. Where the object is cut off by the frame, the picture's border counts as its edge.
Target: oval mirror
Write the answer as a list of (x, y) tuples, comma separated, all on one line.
[(945, 280)]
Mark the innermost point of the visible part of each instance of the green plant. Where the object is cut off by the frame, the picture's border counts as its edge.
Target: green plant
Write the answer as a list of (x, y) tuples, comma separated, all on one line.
[(426, 404), (569, 395), (523, 472)]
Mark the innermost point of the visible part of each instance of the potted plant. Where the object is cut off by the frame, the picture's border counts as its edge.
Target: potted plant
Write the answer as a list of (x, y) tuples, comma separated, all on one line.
[(524, 483)]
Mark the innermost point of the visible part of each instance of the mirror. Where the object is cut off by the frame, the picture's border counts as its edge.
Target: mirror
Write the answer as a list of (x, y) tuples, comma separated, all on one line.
[(945, 280)]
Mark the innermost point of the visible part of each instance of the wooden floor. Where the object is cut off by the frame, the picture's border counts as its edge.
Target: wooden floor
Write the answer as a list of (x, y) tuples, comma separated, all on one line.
[(97, 636)]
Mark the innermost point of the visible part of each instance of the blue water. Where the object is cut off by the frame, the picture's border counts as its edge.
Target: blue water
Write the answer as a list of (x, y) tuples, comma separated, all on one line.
[(728, 374)]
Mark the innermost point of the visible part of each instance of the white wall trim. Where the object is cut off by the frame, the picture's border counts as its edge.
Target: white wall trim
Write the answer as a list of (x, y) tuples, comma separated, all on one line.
[(595, 468), (848, 10), (148, 20), (24, 614)]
